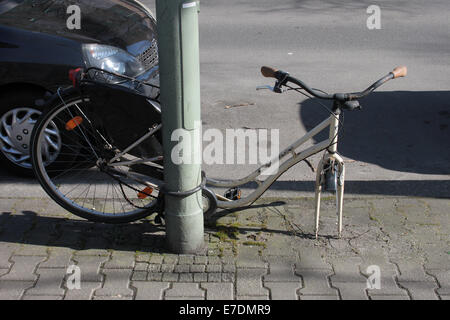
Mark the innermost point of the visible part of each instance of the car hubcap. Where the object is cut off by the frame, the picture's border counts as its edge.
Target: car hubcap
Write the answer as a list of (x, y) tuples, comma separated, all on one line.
[(15, 133)]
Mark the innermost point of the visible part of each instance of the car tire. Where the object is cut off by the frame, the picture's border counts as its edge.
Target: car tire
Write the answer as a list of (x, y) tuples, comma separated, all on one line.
[(18, 113)]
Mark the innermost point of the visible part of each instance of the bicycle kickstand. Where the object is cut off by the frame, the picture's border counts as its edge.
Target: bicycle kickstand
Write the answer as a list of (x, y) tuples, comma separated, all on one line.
[(320, 181)]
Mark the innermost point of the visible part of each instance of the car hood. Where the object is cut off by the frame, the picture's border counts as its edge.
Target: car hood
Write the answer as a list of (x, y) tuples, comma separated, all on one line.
[(121, 23)]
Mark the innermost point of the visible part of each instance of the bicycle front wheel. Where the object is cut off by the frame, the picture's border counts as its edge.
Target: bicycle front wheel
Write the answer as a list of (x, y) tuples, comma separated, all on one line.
[(82, 178)]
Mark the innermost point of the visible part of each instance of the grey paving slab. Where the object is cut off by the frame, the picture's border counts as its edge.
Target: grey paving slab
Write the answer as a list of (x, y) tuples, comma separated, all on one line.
[(316, 282), (150, 290), (85, 292), (284, 264), (13, 290), (283, 290), (49, 283), (116, 283), (23, 268), (249, 282), (43, 297), (185, 290), (90, 267), (218, 291)]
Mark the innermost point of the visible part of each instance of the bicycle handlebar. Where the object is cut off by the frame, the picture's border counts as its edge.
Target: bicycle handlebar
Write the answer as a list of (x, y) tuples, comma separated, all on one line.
[(284, 77)]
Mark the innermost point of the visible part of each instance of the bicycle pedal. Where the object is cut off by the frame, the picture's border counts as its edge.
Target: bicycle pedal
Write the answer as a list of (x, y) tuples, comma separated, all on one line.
[(233, 194)]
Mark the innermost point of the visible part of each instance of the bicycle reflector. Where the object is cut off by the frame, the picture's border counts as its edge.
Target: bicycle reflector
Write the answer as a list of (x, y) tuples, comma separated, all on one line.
[(73, 123), (145, 193)]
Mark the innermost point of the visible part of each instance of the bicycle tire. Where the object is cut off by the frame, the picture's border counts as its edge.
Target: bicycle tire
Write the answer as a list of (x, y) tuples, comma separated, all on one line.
[(84, 144)]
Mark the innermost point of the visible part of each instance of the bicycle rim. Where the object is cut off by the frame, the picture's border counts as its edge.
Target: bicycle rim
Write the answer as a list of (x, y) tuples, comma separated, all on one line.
[(80, 179)]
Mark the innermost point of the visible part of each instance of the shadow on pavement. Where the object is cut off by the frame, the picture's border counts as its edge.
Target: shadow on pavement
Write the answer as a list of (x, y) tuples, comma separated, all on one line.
[(29, 228), (401, 131)]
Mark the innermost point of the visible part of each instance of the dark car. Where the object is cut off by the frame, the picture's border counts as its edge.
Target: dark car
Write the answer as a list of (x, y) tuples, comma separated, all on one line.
[(39, 46)]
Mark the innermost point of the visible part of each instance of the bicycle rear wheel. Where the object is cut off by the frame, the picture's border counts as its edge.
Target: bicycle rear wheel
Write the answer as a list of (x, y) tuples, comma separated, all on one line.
[(82, 179)]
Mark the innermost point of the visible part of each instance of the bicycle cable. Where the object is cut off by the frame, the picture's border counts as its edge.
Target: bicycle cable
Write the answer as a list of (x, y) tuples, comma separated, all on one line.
[(341, 122)]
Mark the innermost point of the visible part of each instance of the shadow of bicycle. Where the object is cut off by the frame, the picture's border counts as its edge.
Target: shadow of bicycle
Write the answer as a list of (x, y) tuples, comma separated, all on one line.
[(400, 131)]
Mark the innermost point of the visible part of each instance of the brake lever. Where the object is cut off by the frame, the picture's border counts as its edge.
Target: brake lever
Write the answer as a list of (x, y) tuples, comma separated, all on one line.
[(264, 88), (275, 89)]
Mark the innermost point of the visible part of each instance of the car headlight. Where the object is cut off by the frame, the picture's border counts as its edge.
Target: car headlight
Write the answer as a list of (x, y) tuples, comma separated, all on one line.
[(112, 59)]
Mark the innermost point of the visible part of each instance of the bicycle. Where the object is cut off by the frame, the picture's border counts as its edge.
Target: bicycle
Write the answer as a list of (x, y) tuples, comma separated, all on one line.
[(116, 160)]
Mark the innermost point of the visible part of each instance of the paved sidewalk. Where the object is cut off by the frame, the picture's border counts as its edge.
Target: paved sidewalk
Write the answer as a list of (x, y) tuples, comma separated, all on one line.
[(266, 252)]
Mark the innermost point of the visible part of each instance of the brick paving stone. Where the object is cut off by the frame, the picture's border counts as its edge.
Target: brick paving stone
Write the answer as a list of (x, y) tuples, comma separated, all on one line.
[(200, 277), (229, 268), (118, 297), (150, 290), (116, 283), (155, 276), (170, 259), (184, 290), (86, 291), (6, 252), (249, 282), (311, 258), (196, 268), (308, 297), (58, 258), (244, 298), (283, 290), (200, 259), (443, 278), (186, 277), (154, 268), (140, 266), (315, 282), (90, 267), (167, 267), (121, 260), (23, 268), (139, 276), (228, 277), (218, 291), (45, 298), (186, 259), (214, 277), (348, 280), (50, 282), (214, 260), (420, 290), (384, 297), (248, 257), (181, 268), (170, 276), (156, 259), (32, 250), (413, 278), (13, 290), (213, 268), (281, 272), (411, 271)]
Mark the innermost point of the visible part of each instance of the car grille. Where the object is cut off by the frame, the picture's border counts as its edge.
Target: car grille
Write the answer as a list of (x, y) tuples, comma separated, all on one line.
[(149, 58)]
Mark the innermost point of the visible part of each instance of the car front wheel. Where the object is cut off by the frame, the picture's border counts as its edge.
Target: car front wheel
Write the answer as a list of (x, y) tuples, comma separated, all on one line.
[(18, 115)]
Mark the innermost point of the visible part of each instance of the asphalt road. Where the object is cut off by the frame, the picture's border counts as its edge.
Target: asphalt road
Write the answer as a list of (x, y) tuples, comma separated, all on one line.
[(398, 145), (401, 139)]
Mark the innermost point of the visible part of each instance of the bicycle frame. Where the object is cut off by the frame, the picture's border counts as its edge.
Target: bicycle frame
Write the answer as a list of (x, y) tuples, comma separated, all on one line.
[(295, 157)]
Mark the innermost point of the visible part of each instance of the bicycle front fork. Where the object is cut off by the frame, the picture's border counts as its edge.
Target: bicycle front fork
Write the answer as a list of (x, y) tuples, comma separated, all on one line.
[(330, 175)]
